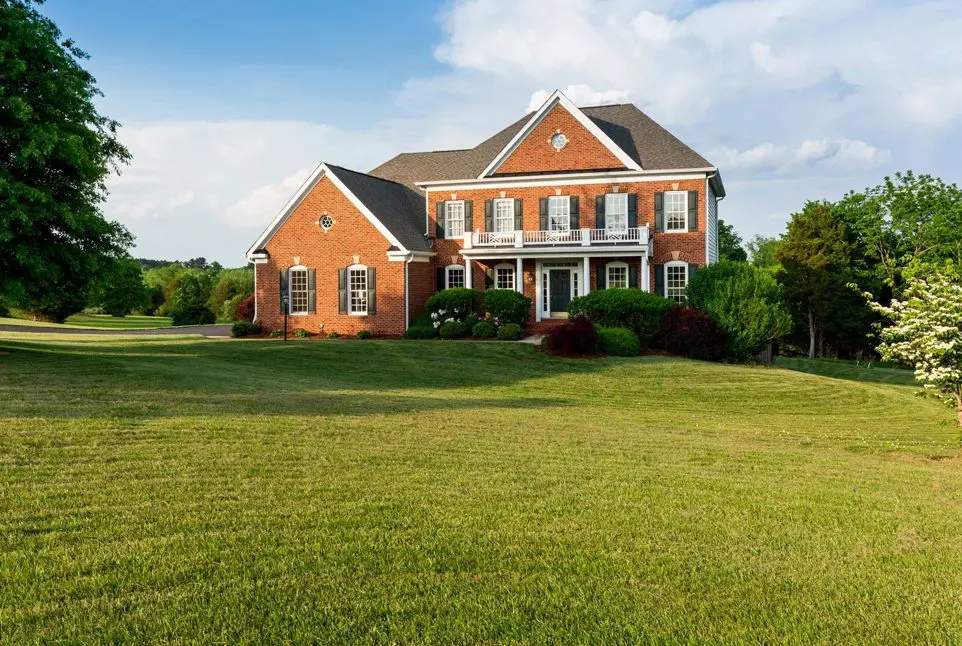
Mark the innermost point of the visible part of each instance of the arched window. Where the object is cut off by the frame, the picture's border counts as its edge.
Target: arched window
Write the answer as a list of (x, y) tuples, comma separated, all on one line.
[(357, 290), (454, 276), (617, 275), (676, 280), (298, 290), (504, 277)]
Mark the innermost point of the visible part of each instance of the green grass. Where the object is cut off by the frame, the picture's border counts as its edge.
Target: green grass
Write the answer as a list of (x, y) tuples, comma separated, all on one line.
[(172, 490), (98, 322), (871, 371)]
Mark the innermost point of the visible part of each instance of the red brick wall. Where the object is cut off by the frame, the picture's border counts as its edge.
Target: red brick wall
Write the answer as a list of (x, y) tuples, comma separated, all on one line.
[(352, 240), (582, 152), (420, 286)]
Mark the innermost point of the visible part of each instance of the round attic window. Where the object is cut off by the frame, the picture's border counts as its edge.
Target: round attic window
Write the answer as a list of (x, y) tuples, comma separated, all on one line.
[(327, 222), (559, 141)]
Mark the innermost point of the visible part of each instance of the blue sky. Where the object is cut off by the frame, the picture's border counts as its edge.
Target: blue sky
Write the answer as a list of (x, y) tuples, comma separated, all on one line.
[(227, 105)]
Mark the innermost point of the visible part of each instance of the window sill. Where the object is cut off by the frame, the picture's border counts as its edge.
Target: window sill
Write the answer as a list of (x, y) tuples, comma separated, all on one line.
[(357, 314)]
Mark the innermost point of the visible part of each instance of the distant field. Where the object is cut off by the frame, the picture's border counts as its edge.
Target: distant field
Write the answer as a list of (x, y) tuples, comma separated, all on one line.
[(853, 370), (252, 491), (99, 321)]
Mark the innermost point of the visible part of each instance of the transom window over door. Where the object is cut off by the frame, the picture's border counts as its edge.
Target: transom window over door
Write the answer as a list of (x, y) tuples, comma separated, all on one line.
[(504, 215), (616, 211), (455, 276), (617, 275), (676, 281), (357, 287), (676, 211), (504, 277), (298, 291), (559, 213), (454, 219)]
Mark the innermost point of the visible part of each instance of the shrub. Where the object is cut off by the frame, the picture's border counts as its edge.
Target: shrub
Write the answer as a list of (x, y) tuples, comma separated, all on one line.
[(276, 334), (420, 332), (619, 342), (4, 310), (453, 330), (245, 310), (510, 332), (364, 334), (228, 311), (332, 334), (745, 301), (689, 333), (301, 333), (576, 336), (506, 306), (191, 315), (483, 330), (631, 308), (244, 328), (455, 304)]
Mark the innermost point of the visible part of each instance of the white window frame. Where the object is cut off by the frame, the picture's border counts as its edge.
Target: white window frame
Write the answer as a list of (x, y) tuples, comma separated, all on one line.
[(553, 212), (500, 202), (447, 276), (667, 198), (448, 219), (673, 264), (611, 198), (290, 290), (497, 278), (350, 290), (616, 265)]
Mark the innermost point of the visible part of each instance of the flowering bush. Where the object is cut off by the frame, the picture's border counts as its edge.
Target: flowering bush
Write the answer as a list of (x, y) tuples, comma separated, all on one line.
[(689, 333), (456, 304)]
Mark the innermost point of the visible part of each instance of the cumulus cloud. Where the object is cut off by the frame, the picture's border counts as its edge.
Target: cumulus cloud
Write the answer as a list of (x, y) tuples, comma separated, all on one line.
[(839, 153), (250, 210)]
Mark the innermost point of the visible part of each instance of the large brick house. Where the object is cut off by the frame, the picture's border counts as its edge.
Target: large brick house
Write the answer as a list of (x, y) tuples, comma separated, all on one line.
[(562, 202)]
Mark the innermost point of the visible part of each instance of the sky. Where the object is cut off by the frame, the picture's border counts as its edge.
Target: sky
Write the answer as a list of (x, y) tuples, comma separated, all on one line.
[(225, 106)]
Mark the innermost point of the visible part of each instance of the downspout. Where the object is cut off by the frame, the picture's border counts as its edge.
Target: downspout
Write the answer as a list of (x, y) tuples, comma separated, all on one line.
[(255, 293), (427, 213)]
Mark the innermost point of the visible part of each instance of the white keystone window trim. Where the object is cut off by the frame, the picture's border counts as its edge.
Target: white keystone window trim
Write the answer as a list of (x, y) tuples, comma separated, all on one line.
[(559, 213), (297, 291), (504, 215), (453, 276), (617, 275), (676, 281), (454, 219), (676, 211), (357, 290), (504, 277), (616, 211)]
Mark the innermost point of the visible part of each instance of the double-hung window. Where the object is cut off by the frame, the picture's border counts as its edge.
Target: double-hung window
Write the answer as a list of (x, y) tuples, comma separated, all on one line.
[(676, 281), (357, 288), (454, 219), (616, 211), (559, 213), (504, 215), (298, 291), (504, 277), (454, 276), (617, 275), (676, 211)]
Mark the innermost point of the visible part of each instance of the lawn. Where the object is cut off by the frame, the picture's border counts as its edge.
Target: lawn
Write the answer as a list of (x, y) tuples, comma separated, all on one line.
[(99, 322), (857, 370), (180, 489)]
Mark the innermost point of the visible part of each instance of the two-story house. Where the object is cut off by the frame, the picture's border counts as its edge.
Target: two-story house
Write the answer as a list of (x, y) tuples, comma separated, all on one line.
[(564, 201)]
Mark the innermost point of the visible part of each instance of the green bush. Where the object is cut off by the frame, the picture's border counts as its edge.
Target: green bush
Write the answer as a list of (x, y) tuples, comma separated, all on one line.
[(228, 311), (420, 332), (332, 334), (483, 330), (364, 334), (510, 332), (506, 306), (243, 328), (452, 304), (191, 315), (640, 312), (275, 334), (301, 333), (453, 330), (745, 301), (619, 342)]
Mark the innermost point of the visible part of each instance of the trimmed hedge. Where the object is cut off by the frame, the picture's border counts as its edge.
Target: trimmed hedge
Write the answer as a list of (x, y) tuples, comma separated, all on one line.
[(510, 332), (506, 306), (689, 333), (191, 315), (454, 330), (641, 312), (244, 328), (619, 342), (576, 336), (364, 334), (483, 330)]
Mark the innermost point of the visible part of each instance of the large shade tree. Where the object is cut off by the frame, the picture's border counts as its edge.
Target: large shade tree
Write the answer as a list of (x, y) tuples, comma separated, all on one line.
[(56, 150)]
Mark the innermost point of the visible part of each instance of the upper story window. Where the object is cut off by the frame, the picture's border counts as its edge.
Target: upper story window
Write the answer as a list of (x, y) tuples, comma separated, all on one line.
[(676, 211), (357, 289), (504, 215), (617, 275), (454, 276), (676, 281), (454, 219), (559, 213), (616, 211)]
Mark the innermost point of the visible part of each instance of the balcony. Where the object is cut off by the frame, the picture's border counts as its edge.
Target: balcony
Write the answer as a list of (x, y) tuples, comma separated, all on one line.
[(637, 236)]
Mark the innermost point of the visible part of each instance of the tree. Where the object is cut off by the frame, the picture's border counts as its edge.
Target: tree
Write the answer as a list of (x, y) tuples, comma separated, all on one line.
[(927, 334), (730, 243), (189, 301), (57, 150), (761, 250), (120, 289)]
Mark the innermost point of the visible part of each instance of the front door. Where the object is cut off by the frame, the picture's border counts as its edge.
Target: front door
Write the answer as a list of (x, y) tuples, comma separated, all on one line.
[(559, 291)]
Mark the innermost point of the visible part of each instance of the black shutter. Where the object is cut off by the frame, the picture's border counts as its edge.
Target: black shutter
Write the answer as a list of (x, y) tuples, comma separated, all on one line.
[(468, 216), (633, 275), (602, 280), (342, 291), (489, 215), (371, 291), (632, 210), (488, 278), (439, 278), (693, 210), (311, 291), (660, 280), (575, 215), (282, 290), (543, 213), (659, 212), (692, 268), (519, 214), (439, 221), (600, 212)]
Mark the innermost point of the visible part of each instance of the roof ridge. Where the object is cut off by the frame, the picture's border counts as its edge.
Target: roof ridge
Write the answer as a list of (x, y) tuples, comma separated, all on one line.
[(357, 172), (607, 105)]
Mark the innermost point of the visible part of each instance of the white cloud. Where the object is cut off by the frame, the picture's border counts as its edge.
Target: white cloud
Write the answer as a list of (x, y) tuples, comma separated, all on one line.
[(250, 211), (838, 153), (580, 95)]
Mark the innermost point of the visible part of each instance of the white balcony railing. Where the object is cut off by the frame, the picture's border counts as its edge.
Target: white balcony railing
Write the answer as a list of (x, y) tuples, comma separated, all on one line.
[(572, 237)]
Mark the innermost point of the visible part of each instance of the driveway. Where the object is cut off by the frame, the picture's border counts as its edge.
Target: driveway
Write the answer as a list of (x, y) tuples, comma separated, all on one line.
[(203, 330)]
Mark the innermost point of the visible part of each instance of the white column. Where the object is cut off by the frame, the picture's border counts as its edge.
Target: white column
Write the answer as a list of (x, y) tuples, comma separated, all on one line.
[(519, 277), (586, 276), (467, 273), (537, 291), (645, 274)]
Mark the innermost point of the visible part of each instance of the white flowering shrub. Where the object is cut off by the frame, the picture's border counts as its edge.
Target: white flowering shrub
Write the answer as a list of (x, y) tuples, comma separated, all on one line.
[(927, 335)]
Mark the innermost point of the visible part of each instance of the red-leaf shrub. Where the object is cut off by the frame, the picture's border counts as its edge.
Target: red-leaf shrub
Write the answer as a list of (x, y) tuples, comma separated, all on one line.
[(576, 336), (689, 333), (245, 311)]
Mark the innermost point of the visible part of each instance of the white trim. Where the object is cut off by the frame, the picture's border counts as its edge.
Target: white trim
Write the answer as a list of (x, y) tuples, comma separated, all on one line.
[(367, 288), (620, 265), (573, 269), (497, 201), (427, 212), (519, 275), (447, 279), (413, 256), (514, 274), (675, 263), (319, 172), (552, 253), (708, 196), (685, 228), (468, 273), (645, 274), (556, 99), (569, 179), (290, 291), (255, 296), (464, 216)]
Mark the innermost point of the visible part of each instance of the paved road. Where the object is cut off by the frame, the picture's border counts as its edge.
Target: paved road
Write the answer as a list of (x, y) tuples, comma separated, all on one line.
[(205, 330)]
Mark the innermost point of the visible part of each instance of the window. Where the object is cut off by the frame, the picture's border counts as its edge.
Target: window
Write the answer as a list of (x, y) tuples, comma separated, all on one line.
[(453, 219), (559, 213), (504, 216), (326, 222), (616, 211), (504, 277), (297, 287), (676, 280), (357, 289), (617, 275), (676, 211), (454, 275)]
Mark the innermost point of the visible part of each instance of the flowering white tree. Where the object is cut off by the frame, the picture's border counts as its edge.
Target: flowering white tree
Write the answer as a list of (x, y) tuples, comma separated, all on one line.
[(927, 334)]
